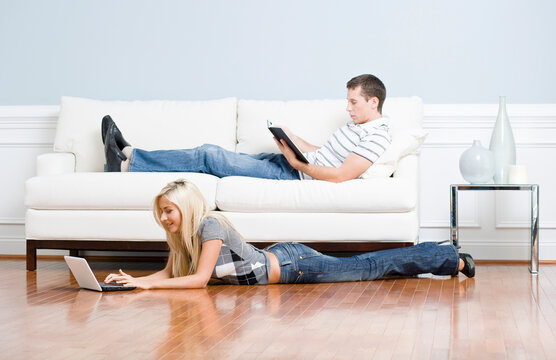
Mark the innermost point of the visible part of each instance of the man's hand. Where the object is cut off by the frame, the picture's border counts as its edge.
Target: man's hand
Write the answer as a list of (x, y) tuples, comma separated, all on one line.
[(288, 132), (301, 144), (289, 154), (353, 166)]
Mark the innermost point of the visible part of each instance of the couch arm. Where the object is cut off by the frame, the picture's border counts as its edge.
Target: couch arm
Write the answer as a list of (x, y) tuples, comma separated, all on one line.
[(55, 164), (408, 167)]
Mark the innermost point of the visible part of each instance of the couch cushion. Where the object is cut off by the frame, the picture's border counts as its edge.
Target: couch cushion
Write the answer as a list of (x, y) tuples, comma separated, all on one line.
[(139, 225), (324, 227), (132, 225), (244, 194), (404, 142), (150, 125), (108, 191), (312, 120)]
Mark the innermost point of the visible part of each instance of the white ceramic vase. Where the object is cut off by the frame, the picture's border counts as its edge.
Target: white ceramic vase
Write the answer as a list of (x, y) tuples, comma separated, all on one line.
[(476, 164), (502, 144)]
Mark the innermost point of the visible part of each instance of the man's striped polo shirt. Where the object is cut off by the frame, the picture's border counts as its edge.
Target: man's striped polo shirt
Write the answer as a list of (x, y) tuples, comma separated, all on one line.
[(368, 140)]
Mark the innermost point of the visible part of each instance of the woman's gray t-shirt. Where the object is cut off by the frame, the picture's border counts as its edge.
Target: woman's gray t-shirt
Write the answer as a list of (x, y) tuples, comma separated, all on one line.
[(238, 263)]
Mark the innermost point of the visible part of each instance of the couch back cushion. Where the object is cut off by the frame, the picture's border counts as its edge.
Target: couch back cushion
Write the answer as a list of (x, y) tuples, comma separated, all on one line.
[(316, 120), (312, 120), (149, 125)]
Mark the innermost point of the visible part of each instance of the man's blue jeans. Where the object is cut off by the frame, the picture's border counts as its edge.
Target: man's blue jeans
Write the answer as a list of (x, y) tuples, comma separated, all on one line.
[(212, 159), (301, 264)]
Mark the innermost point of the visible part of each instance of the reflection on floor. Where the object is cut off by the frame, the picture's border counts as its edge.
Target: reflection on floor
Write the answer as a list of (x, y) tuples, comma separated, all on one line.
[(503, 312)]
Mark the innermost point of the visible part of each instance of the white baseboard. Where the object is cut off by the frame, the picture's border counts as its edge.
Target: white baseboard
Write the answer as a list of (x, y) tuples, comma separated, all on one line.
[(17, 247)]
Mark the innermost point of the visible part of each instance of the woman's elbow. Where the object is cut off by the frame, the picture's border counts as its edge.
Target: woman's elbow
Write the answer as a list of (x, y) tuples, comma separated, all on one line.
[(202, 282)]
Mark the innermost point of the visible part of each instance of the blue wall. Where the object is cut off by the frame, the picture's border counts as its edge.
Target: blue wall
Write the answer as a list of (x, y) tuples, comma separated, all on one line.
[(444, 51)]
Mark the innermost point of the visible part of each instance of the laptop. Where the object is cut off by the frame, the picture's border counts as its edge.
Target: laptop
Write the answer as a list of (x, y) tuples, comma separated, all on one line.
[(87, 280)]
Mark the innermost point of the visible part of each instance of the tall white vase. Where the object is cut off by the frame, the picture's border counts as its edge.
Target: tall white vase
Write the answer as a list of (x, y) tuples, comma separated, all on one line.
[(502, 144)]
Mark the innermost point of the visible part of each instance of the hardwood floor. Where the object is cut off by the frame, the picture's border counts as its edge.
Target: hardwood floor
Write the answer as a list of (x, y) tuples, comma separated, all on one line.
[(503, 313)]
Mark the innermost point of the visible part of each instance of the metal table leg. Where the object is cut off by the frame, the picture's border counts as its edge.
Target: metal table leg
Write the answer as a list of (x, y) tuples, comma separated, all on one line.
[(454, 229), (534, 267), (534, 231)]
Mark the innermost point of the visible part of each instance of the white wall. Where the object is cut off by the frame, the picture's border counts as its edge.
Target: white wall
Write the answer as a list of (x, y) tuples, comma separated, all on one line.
[(492, 226), (25, 132), (447, 52)]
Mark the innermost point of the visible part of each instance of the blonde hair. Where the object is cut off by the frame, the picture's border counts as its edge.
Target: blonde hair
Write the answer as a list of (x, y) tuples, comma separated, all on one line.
[(185, 245)]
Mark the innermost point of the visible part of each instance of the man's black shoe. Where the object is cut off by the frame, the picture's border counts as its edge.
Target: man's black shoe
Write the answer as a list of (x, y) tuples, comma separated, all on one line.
[(106, 121), (469, 267), (114, 155), (120, 141)]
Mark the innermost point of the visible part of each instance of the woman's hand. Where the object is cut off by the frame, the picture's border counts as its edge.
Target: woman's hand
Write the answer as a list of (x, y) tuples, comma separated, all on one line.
[(128, 280)]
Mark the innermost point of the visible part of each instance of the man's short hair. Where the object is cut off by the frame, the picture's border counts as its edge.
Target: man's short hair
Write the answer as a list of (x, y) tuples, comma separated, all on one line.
[(371, 86)]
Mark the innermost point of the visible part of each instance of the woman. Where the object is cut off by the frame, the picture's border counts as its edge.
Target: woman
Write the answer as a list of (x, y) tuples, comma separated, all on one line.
[(204, 245)]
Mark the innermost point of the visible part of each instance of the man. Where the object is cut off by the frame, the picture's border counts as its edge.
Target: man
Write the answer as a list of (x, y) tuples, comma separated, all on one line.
[(347, 154)]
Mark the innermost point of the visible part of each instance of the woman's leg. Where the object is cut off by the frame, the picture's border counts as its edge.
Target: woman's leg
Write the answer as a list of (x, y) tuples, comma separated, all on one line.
[(301, 264), (427, 257), (215, 160)]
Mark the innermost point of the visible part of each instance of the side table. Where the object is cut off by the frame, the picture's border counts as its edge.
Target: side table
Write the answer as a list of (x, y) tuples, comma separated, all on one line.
[(533, 188)]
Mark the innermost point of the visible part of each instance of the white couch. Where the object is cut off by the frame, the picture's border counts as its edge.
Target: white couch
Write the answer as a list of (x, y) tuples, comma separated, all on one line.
[(73, 205)]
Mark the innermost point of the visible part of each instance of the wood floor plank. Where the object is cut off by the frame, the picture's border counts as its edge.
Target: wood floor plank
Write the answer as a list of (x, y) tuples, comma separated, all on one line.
[(503, 313)]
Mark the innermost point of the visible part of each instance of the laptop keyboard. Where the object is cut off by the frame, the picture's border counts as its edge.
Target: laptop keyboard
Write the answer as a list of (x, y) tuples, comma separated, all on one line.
[(110, 284), (115, 286)]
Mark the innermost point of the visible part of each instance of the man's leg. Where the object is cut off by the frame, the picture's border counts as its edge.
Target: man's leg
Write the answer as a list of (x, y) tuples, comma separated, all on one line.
[(213, 159)]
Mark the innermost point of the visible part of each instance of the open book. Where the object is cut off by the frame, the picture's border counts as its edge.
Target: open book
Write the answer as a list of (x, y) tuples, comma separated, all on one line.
[(281, 134)]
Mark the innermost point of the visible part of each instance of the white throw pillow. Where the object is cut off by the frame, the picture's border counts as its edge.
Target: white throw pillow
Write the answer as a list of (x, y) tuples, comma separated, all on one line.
[(404, 142)]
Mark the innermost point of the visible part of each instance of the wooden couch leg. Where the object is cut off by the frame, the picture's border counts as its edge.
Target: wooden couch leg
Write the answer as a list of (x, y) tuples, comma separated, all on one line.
[(31, 256)]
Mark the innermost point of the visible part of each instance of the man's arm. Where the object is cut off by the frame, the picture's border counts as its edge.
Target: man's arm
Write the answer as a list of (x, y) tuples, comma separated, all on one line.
[(301, 144), (352, 167)]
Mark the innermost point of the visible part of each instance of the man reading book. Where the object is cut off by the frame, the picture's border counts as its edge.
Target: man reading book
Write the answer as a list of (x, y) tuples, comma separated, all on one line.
[(347, 154)]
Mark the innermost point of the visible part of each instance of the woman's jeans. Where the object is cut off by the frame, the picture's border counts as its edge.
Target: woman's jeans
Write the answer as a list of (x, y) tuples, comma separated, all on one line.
[(212, 159), (301, 264)]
